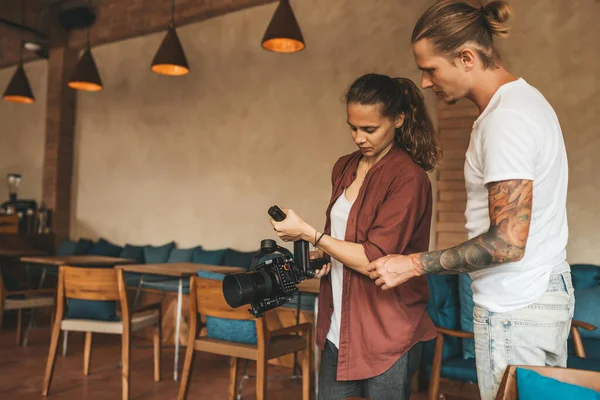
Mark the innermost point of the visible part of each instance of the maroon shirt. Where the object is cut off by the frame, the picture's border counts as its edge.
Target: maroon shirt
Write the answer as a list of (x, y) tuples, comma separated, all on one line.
[(391, 215)]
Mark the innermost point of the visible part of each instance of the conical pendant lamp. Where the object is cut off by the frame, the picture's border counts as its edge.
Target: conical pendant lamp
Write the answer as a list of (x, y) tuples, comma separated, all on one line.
[(85, 76), (18, 90), (170, 58), (283, 34)]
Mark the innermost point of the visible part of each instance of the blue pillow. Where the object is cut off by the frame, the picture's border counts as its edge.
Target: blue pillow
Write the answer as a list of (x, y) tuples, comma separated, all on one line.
[(83, 246), (92, 309), (585, 276), (231, 330), (209, 257), (133, 253), (67, 248), (182, 255), (532, 385), (234, 258), (465, 298), (158, 254), (587, 302), (106, 248)]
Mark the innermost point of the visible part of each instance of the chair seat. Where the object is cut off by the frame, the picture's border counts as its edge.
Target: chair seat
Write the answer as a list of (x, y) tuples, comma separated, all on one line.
[(279, 346), (31, 302), (138, 321)]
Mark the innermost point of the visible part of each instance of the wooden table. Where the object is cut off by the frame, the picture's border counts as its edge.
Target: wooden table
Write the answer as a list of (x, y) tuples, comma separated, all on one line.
[(81, 260), (18, 253), (179, 271), (310, 286)]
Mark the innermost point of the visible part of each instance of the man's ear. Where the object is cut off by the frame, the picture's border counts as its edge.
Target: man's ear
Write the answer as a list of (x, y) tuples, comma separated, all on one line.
[(467, 58)]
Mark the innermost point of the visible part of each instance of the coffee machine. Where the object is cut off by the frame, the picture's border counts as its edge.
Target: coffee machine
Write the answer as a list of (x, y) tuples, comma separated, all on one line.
[(31, 220)]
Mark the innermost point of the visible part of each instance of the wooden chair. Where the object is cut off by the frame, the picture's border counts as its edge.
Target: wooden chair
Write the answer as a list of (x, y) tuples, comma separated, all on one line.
[(101, 284), (472, 389), (508, 387), (206, 297), (26, 299)]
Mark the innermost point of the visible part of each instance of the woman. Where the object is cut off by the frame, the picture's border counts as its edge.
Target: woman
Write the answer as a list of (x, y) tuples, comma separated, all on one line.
[(380, 204)]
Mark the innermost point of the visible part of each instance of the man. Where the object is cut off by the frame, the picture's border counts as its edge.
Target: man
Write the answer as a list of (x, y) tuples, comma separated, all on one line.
[(516, 181)]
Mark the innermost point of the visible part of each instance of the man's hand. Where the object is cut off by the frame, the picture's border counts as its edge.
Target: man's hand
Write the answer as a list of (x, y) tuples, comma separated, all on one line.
[(392, 270)]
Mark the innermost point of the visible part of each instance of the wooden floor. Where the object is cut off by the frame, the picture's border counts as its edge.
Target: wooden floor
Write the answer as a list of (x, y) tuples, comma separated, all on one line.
[(22, 369)]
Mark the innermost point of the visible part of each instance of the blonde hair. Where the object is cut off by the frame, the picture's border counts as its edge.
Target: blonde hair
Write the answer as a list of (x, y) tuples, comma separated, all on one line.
[(449, 24)]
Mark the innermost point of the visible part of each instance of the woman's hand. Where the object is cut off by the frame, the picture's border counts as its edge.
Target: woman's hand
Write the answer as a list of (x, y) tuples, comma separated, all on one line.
[(319, 273), (293, 228)]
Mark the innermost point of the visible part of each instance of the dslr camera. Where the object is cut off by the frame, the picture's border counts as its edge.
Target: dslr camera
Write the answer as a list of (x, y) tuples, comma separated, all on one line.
[(273, 282)]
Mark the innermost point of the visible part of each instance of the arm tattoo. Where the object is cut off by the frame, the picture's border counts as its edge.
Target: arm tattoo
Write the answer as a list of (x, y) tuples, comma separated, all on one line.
[(505, 241)]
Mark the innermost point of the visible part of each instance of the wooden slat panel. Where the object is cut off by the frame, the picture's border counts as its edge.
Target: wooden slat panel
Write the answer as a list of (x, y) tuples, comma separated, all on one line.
[(453, 238), (452, 164), (463, 122), (450, 206), (450, 113), (453, 195), (454, 133), (458, 227), (451, 185), (451, 217), (452, 175)]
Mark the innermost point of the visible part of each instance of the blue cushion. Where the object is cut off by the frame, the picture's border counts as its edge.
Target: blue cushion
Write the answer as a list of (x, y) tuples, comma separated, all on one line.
[(92, 309), (66, 248), (234, 258), (586, 364), (465, 299), (585, 276), (133, 253), (209, 257), (83, 246), (443, 308), (158, 254), (105, 248), (587, 302), (532, 385), (182, 255), (228, 329), (592, 348)]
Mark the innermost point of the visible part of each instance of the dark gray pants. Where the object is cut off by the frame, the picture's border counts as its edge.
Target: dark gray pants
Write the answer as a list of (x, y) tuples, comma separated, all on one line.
[(393, 384)]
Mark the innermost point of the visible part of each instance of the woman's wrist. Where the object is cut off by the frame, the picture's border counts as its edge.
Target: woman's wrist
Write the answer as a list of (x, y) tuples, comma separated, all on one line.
[(309, 234)]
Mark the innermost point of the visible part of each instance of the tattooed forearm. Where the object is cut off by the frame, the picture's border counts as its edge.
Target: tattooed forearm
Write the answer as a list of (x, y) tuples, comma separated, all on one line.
[(505, 241)]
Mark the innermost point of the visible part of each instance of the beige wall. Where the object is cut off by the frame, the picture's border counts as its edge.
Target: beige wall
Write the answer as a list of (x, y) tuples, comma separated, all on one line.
[(554, 46), (22, 130), (200, 158)]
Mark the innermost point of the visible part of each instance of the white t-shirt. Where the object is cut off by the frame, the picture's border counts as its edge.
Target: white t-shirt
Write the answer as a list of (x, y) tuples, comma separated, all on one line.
[(339, 220), (518, 136)]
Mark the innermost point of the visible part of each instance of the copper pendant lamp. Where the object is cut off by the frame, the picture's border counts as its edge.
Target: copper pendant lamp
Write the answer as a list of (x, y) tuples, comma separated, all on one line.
[(18, 89), (283, 34), (170, 58)]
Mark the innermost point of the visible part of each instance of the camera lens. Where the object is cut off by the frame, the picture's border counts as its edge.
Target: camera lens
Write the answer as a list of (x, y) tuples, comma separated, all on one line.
[(240, 289)]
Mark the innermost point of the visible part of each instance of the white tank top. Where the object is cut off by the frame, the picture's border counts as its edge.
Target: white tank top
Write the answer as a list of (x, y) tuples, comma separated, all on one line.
[(339, 220)]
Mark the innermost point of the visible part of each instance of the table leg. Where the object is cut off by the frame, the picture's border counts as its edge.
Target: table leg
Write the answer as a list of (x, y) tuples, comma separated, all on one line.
[(32, 313), (178, 327), (138, 291)]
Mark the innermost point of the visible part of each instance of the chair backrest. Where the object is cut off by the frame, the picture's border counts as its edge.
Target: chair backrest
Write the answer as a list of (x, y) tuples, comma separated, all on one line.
[(508, 387), (92, 283), (211, 302)]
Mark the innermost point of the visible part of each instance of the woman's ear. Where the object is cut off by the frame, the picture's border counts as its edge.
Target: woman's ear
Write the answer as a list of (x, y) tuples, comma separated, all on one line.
[(399, 121)]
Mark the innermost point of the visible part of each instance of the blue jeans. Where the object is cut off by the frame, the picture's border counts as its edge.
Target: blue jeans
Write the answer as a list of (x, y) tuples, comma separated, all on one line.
[(534, 335)]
